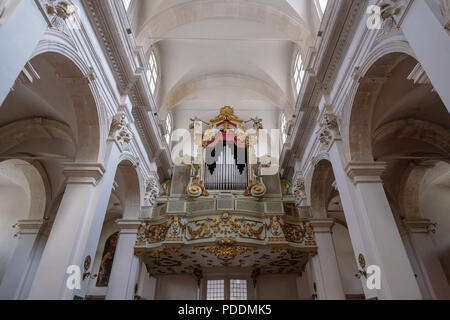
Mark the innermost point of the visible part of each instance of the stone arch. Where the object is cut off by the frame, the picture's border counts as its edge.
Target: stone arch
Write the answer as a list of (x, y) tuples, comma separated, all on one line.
[(357, 126), (385, 48), (23, 196), (27, 177), (71, 69)]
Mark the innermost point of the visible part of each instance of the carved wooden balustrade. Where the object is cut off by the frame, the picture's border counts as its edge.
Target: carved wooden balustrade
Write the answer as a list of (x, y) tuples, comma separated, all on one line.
[(182, 243)]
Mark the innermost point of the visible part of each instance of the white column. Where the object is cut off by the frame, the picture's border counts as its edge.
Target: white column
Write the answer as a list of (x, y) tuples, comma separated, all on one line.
[(67, 233), (373, 231), (16, 272), (19, 37), (430, 42), (427, 259), (333, 289), (366, 208), (317, 276), (125, 267), (380, 230)]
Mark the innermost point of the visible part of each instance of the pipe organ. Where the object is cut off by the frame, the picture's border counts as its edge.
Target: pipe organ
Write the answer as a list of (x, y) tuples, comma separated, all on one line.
[(229, 169), (226, 158), (208, 229)]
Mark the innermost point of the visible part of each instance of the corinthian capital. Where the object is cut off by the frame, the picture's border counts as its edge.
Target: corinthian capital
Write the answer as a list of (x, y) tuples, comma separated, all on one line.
[(61, 8), (329, 129), (120, 130), (445, 10), (394, 9), (151, 191), (298, 188)]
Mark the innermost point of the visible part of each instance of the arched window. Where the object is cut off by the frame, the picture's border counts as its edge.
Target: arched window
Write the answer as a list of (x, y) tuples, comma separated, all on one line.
[(321, 5), (152, 72), (126, 4), (168, 128), (299, 73), (283, 128)]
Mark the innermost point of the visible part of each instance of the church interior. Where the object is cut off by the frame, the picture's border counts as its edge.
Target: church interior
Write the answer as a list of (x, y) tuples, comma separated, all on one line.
[(224, 150)]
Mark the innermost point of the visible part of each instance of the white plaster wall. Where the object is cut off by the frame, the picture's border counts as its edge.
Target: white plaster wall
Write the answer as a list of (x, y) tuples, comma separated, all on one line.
[(14, 205), (146, 284), (277, 287), (434, 205), (20, 33), (176, 287)]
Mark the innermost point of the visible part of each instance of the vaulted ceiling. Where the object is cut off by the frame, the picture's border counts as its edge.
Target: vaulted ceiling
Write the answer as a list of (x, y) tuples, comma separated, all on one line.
[(213, 53)]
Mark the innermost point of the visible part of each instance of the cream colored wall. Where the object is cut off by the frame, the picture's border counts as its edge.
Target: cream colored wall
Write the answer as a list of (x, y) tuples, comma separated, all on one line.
[(176, 287), (13, 207), (434, 205), (146, 284), (277, 287)]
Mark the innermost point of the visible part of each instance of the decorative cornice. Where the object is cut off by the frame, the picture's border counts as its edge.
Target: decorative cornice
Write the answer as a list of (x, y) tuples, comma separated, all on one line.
[(341, 26), (126, 60), (83, 173), (366, 172)]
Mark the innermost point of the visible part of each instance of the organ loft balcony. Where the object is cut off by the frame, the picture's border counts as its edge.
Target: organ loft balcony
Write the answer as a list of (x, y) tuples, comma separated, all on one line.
[(223, 212)]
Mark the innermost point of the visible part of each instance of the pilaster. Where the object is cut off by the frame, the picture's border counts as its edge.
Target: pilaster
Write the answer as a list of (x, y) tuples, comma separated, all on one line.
[(420, 234), (333, 289)]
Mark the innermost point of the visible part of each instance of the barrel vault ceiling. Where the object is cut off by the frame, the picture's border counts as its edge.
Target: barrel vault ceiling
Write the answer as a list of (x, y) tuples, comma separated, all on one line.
[(213, 53)]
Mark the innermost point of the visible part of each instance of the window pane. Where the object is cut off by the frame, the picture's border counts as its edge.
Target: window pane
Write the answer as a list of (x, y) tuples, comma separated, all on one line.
[(126, 3), (216, 290), (152, 87), (152, 62), (238, 290), (323, 5)]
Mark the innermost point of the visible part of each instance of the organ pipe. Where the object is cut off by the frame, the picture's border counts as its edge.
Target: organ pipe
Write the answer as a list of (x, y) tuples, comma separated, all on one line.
[(225, 173)]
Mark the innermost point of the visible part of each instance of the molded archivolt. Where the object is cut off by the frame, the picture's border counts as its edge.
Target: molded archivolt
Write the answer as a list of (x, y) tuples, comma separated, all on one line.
[(161, 24), (73, 72), (358, 119), (354, 111), (183, 90), (24, 175)]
